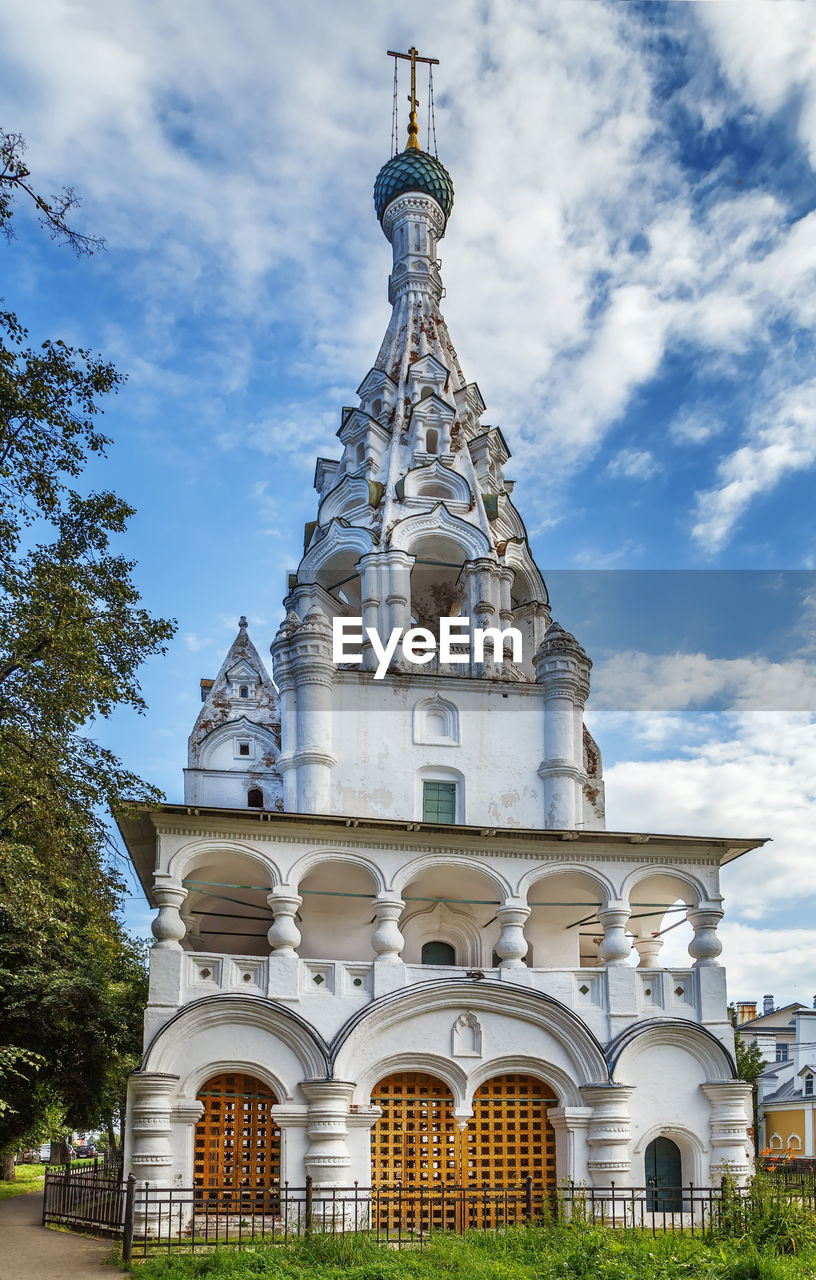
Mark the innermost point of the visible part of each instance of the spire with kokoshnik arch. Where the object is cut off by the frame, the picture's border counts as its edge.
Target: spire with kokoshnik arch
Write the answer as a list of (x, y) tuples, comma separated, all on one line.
[(416, 518)]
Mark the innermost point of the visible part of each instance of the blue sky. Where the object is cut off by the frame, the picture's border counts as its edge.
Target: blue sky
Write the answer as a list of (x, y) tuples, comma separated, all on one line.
[(630, 272)]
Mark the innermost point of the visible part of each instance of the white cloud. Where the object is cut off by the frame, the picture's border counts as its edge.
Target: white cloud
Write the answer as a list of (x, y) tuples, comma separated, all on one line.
[(694, 426), (631, 680), (238, 186), (751, 775), (769, 56), (634, 464), (781, 439)]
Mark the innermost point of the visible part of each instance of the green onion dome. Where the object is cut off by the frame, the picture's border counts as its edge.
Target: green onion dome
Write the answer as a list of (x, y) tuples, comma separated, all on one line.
[(413, 170)]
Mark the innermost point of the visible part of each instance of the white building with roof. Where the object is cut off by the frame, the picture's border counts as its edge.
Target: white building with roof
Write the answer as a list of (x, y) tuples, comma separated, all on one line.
[(394, 940)]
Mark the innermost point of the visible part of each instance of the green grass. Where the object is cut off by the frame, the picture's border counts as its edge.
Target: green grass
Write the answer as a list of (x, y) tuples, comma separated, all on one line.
[(30, 1177), (516, 1254)]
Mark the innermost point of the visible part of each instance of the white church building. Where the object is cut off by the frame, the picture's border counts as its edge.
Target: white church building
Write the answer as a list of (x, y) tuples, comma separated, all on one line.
[(395, 942)]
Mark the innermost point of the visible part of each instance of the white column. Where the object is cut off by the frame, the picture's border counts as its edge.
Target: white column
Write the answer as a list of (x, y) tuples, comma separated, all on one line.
[(615, 947), (327, 1158), (730, 1111), (609, 1138), (512, 944), (649, 951), (188, 1112), (562, 668), (705, 946), (309, 651), (151, 1155), (283, 933), (168, 928), (571, 1125)]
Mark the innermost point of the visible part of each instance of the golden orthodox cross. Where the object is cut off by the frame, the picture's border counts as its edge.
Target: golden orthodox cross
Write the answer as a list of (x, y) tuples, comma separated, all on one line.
[(413, 57)]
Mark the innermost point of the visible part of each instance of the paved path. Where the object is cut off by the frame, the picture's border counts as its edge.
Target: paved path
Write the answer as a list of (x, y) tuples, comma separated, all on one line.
[(29, 1251)]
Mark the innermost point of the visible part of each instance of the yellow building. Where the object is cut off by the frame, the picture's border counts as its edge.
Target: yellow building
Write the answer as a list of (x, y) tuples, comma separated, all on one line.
[(786, 1089)]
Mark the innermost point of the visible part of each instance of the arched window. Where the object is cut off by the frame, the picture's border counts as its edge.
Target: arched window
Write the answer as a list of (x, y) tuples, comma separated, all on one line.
[(438, 953), (360, 453), (255, 798), (243, 692), (809, 1086), (431, 440)]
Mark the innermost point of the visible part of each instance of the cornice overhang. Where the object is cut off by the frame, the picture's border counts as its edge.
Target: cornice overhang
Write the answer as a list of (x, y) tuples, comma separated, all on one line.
[(141, 829)]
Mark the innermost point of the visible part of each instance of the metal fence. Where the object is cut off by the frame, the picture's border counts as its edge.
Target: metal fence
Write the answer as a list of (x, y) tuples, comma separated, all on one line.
[(85, 1196), (153, 1218)]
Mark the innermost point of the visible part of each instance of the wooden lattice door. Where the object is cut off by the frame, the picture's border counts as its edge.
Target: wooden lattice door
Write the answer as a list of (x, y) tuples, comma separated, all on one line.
[(509, 1138), (414, 1151), (237, 1143)]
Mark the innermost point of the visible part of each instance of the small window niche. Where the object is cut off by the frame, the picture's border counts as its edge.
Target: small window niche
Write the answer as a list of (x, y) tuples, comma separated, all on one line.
[(244, 749), (255, 798), (438, 952), (436, 722)]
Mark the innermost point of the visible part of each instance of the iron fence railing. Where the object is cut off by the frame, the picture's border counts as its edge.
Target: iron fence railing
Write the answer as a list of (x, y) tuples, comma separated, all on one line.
[(81, 1196), (149, 1218)]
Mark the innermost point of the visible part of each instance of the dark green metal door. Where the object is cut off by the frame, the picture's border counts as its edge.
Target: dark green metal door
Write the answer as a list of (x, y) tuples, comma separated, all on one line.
[(664, 1177)]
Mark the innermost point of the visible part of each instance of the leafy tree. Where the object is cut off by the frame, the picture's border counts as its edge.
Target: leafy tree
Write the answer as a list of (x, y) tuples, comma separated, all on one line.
[(53, 212), (750, 1065), (73, 634)]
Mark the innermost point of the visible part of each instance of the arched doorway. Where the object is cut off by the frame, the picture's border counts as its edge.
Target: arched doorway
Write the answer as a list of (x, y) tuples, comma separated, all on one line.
[(237, 1143), (414, 1148), (664, 1176), (509, 1139)]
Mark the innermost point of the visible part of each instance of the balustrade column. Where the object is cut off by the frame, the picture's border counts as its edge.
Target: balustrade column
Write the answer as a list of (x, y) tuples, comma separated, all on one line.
[(168, 928), (705, 946), (283, 933), (387, 940), (615, 947), (649, 951), (512, 945)]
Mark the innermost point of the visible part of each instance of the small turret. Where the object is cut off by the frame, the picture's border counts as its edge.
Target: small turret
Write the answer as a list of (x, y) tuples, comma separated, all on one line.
[(233, 750)]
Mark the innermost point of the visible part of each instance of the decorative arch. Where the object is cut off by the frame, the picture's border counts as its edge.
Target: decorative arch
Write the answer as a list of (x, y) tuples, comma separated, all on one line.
[(243, 727), (542, 1013), (195, 1079), (606, 889), (678, 1033), (432, 1064), (528, 584), (340, 541), (352, 495), (198, 852), (430, 861), (440, 524), (436, 709), (527, 1065), (316, 857), (435, 480), (218, 1013), (443, 922), (696, 887)]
